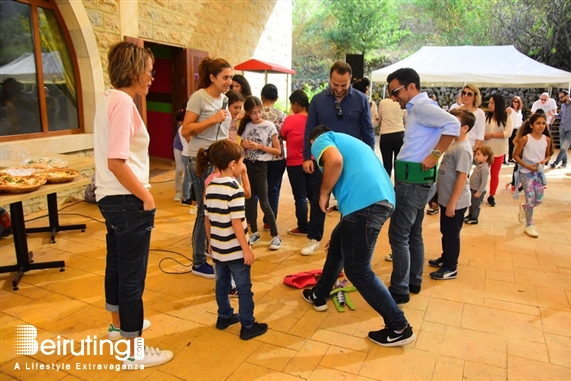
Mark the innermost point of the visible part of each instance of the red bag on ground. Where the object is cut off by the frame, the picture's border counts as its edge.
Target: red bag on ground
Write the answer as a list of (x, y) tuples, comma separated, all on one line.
[(303, 279)]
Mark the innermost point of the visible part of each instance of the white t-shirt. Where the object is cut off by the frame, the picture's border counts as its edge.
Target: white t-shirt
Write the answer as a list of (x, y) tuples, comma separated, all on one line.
[(549, 106), (260, 133), (479, 130), (119, 133), (391, 116), (499, 145), (205, 106), (183, 141), (517, 118)]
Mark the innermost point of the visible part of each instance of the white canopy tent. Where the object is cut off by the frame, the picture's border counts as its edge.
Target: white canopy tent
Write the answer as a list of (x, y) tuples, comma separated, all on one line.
[(23, 68), (483, 66)]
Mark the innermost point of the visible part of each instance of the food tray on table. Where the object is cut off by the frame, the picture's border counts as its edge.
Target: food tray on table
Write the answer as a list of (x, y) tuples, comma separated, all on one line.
[(57, 175), (18, 171), (45, 162), (20, 184)]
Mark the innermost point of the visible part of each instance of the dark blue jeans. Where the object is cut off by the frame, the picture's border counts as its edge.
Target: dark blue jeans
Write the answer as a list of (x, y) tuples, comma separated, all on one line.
[(199, 231), (316, 216), (352, 245), (241, 274), (302, 189), (405, 235), (128, 241), (450, 227), (276, 169), (258, 176), (564, 144)]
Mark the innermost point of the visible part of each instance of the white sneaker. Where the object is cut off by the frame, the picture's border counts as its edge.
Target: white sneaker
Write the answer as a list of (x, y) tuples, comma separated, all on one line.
[(276, 243), (192, 209), (309, 247), (389, 257), (115, 333), (530, 231), (177, 197), (521, 214), (153, 357)]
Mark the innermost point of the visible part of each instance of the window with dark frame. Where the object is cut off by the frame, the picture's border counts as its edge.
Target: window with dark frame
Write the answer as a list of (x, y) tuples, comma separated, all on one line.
[(35, 48)]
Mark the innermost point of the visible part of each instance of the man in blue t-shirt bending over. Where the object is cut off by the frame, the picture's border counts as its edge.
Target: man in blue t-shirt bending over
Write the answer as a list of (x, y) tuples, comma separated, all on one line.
[(366, 198)]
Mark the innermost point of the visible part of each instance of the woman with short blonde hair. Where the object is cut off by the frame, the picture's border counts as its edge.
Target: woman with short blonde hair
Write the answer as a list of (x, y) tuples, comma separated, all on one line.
[(121, 147), (471, 100)]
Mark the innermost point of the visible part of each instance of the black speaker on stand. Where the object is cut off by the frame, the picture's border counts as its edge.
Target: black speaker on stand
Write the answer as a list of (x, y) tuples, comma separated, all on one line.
[(357, 63)]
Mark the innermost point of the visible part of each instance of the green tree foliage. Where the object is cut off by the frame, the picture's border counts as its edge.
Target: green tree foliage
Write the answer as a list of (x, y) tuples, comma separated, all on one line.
[(361, 26), (449, 22), (389, 30), (540, 29), (311, 52)]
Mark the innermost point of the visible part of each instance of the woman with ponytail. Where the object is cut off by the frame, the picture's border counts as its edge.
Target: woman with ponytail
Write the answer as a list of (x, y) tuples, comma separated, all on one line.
[(207, 121)]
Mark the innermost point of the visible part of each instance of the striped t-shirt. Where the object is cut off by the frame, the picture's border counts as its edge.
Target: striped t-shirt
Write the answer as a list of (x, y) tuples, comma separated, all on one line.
[(225, 202)]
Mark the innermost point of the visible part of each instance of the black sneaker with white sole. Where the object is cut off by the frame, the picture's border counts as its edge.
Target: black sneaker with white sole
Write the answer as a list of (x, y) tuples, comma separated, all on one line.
[(444, 274), (389, 338), (435, 262), (319, 304)]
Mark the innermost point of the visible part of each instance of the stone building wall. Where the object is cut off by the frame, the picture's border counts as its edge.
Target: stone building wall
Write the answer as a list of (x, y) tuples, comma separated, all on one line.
[(233, 30)]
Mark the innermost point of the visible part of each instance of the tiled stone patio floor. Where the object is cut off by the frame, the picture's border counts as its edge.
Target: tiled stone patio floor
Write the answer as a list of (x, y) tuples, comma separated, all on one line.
[(506, 317)]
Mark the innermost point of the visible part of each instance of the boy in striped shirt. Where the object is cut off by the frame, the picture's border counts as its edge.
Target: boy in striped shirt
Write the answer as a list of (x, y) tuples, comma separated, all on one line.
[(226, 230)]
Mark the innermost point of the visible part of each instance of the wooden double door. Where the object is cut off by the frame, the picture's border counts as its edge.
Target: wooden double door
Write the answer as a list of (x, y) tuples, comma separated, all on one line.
[(176, 78)]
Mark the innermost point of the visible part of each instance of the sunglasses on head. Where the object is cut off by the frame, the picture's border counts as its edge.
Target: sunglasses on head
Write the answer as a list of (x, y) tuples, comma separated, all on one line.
[(339, 111), (467, 93)]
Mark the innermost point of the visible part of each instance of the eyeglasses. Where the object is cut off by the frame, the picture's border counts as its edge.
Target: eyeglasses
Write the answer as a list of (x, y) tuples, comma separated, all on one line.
[(395, 92), (339, 111), (516, 101), (152, 73), (467, 93), (543, 99)]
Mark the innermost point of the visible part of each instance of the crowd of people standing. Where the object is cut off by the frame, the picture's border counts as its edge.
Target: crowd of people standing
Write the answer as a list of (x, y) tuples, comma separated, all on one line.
[(234, 147)]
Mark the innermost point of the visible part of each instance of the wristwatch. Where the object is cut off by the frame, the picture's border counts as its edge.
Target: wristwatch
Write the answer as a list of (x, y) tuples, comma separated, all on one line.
[(436, 153)]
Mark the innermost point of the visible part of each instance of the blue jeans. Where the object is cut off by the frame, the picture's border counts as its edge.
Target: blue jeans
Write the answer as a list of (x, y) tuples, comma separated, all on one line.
[(352, 245), (276, 169), (199, 231), (241, 274), (258, 176), (128, 241), (316, 215), (302, 189), (186, 180), (405, 235), (564, 143)]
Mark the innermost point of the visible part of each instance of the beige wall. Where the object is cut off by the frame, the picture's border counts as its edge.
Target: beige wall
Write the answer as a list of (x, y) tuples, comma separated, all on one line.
[(236, 30)]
